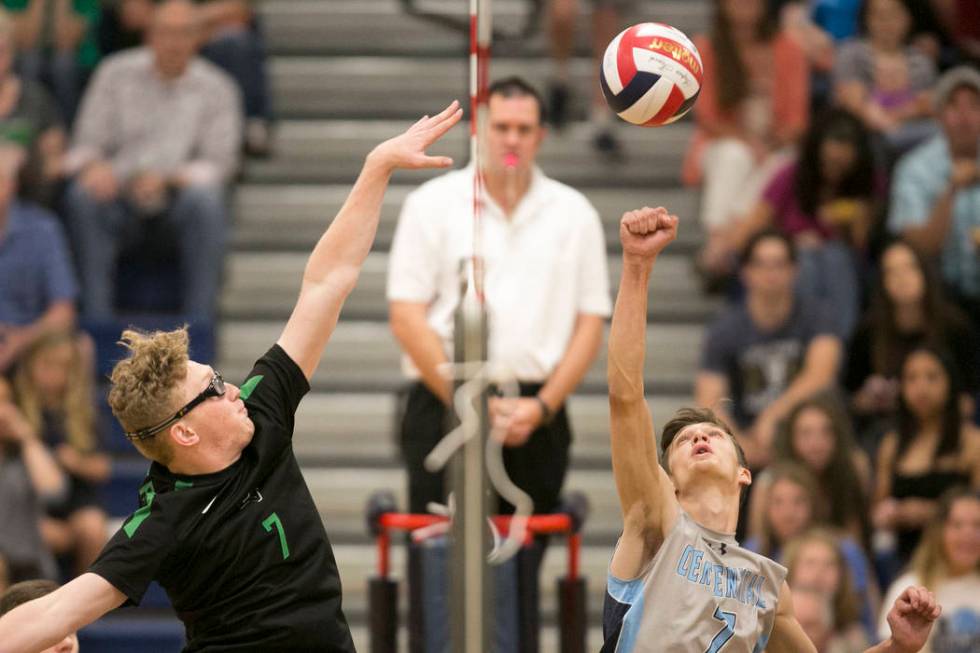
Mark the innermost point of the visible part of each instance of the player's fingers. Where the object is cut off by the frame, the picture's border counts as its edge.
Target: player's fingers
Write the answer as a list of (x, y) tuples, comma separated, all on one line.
[(436, 161), (445, 115), (436, 131)]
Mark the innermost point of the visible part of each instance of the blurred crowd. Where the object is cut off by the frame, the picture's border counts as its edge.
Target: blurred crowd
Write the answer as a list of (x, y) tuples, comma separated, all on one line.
[(122, 124), (837, 147), (837, 152)]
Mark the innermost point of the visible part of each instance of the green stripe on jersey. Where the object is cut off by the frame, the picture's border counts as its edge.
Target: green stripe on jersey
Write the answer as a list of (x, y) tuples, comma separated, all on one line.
[(182, 485), (148, 494), (249, 387)]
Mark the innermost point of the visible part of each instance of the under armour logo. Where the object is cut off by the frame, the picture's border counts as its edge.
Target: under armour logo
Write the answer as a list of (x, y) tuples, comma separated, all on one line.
[(722, 547)]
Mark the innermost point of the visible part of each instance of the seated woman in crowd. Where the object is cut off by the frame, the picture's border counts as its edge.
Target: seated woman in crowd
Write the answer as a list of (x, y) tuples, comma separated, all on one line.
[(825, 201), (947, 562), (29, 479), (907, 309), (931, 450), (884, 80), (752, 109), (30, 119), (817, 435), (54, 390), (815, 561)]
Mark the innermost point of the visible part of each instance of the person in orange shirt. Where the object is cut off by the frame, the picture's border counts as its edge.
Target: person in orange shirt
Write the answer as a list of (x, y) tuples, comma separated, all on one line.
[(754, 105)]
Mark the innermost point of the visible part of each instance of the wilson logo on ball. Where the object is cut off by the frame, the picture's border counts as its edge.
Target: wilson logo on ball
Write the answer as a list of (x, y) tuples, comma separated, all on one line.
[(651, 74)]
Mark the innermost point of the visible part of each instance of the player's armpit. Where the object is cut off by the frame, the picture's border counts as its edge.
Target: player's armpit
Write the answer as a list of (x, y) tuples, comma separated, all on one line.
[(44, 622), (787, 634)]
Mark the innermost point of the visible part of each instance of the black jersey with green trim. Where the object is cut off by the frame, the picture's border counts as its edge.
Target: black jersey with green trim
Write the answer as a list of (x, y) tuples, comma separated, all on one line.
[(242, 553)]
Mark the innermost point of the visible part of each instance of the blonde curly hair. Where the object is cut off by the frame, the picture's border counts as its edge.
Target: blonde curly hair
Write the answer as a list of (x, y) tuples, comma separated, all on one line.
[(146, 385)]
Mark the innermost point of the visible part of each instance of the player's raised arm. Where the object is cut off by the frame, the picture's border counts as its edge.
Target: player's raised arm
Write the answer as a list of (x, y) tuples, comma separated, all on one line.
[(646, 494), (333, 267), (910, 619), (42, 623)]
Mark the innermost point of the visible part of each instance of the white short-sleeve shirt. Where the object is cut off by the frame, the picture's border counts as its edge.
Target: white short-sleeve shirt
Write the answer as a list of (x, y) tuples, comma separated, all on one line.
[(545, 265)]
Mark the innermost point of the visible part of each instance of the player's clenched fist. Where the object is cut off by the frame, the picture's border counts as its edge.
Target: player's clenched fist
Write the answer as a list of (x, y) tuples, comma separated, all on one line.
[(911, 618), (645, 232)]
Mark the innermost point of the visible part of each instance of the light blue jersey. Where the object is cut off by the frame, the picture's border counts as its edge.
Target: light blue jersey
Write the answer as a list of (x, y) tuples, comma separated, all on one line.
[(701, 593)]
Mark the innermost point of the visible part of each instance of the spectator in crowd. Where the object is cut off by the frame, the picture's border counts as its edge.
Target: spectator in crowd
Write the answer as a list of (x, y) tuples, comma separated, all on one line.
[(885, 81), (769, 352), (28, 591), (547, 297), (232, 40), (793, 508), (38, 290), (907, 309), (752, 110), (818, 436), (814, 610), (29, 479), (606, 23), (29, 118), (57, 44), (157, 138), (53, 386), (935, 200), (825, 202), (817, 560), (931, 450), (947, 562)]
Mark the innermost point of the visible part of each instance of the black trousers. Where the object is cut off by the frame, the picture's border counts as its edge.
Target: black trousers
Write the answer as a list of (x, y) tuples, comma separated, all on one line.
[(538, 467)]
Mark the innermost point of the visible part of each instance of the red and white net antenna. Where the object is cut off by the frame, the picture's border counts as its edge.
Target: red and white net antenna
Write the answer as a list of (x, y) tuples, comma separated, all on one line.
[(481, 34)]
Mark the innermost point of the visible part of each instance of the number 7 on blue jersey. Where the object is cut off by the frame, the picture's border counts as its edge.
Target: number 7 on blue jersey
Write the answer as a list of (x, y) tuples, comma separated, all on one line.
[(726, 633)]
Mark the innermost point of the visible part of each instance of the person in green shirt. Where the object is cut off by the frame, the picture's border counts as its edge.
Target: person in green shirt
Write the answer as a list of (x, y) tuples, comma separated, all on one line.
[(57, 44)]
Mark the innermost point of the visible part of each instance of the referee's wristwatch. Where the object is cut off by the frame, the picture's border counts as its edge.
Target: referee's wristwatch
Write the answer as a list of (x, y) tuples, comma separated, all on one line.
[(546, 413)]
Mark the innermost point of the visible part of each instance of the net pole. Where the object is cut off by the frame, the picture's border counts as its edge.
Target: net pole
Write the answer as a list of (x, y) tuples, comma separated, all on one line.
[(471, 587)]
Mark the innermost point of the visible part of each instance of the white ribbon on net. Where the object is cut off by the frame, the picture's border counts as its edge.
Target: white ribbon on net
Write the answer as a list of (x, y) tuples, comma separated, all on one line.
[(478, 377)]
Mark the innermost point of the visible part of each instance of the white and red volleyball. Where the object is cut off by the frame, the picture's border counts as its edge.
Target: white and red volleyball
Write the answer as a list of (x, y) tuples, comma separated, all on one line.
[(651, 74)]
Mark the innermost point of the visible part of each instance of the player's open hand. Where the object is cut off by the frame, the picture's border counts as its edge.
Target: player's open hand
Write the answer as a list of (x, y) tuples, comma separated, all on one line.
[(408, 150), (646, 232), (911, 618)]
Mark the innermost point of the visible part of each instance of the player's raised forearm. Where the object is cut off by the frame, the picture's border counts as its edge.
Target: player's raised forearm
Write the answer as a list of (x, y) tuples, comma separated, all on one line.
[(627, 335), (339, 254)]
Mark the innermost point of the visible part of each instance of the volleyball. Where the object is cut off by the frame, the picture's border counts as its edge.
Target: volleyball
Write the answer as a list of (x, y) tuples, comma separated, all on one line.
[(651, 74)]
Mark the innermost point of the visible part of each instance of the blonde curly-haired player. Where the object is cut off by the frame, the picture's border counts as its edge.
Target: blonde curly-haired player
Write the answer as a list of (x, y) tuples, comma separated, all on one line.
[(226, 523), (678, 581)]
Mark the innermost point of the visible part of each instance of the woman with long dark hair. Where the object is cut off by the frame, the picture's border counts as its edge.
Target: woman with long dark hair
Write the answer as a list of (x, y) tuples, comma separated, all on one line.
[(752, 110), (825, 201), (908, 308), (931, 449), (817, 435)]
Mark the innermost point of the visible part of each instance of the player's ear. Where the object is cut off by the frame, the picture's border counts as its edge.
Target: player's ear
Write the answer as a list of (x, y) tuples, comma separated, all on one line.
[(744, 476), (183, 435)]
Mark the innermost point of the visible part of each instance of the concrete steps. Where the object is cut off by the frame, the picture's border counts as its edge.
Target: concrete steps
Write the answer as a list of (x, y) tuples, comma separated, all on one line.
[(363, 355), (332, 152), (292, 217), (265, 285), (343, 27)]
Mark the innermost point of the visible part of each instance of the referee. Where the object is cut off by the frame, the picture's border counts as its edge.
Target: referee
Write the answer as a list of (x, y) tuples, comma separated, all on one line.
[(226, 523)]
